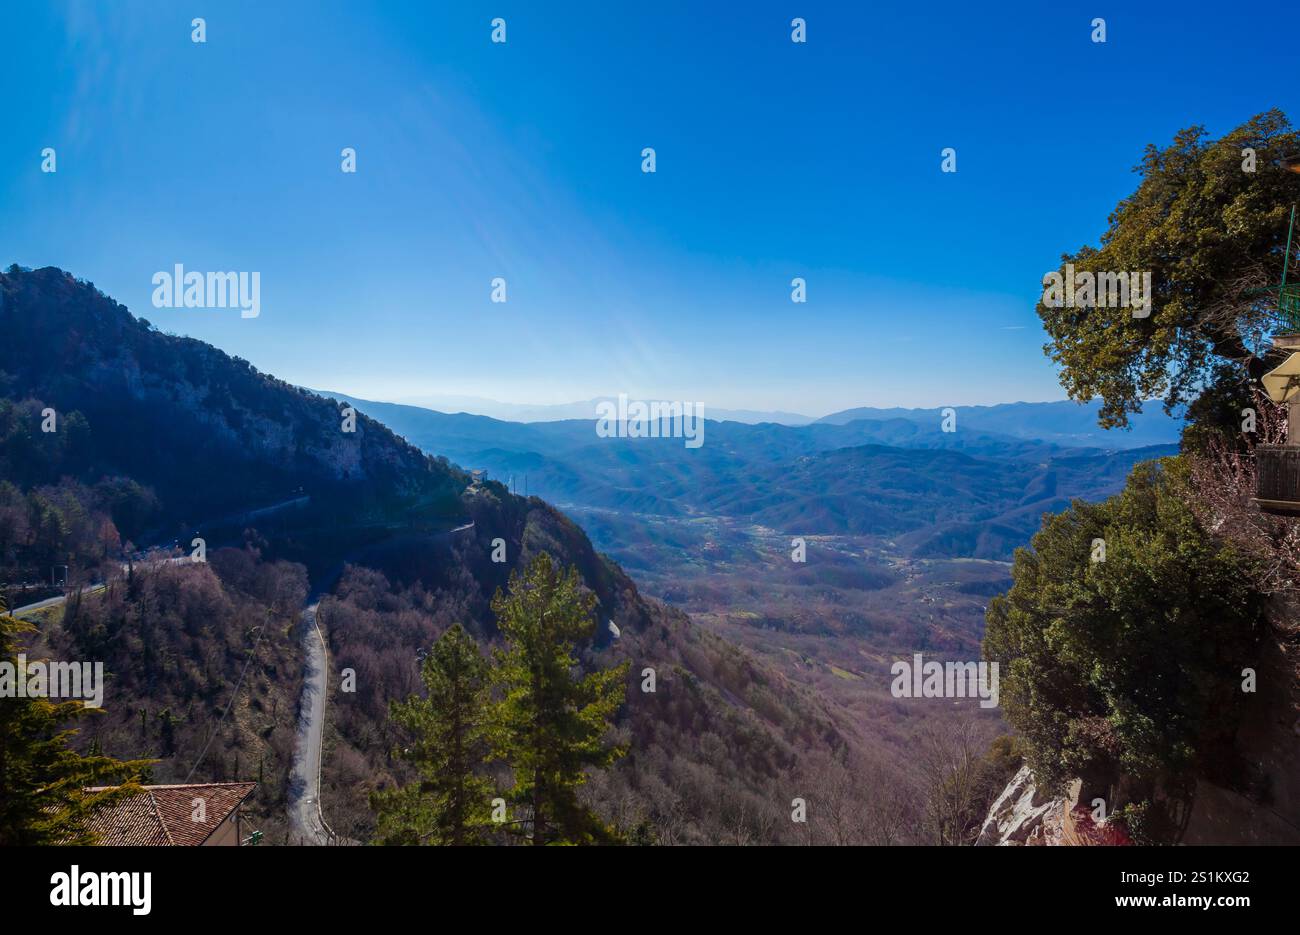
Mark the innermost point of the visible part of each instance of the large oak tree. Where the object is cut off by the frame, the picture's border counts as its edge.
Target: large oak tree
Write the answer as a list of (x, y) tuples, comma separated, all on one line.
[(1212, 234)]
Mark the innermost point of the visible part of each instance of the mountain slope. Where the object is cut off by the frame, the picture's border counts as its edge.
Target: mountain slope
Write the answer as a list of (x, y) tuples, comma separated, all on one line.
[(210, 433)]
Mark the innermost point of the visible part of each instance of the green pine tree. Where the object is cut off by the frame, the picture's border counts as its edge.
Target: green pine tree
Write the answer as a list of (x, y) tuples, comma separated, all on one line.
[(550, 724), (43, 782), (449, 804)]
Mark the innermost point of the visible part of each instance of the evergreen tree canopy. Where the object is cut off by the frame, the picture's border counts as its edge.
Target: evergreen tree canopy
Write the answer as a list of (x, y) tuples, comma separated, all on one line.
[(450, 803), (550, 723), (1209, 232), (1131, 664)]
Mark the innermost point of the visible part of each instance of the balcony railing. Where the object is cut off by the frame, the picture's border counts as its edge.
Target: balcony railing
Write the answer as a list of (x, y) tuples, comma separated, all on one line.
[(1277, 478)]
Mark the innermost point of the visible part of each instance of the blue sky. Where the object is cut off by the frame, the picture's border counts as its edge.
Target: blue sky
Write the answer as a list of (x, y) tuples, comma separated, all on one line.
[(522, 160)]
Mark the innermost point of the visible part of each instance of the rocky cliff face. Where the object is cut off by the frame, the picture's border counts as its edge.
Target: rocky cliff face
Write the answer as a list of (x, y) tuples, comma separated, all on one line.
[(1022, 815)]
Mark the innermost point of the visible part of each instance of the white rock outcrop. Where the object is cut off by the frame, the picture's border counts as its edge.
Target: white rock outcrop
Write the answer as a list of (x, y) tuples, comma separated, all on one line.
[(1019, 814)]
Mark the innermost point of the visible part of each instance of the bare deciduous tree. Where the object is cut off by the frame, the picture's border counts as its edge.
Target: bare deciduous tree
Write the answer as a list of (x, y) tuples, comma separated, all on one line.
[(950, 760)]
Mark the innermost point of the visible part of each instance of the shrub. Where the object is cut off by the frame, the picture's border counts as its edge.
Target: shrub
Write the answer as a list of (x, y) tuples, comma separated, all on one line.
[(1130, 665)]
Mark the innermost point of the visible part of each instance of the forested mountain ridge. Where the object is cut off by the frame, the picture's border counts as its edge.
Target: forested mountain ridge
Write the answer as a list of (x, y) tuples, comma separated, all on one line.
[(207, 415)]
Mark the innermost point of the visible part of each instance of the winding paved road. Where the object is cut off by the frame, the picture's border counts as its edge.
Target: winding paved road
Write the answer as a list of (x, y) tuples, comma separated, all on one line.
[(306, 819), (93, 588), (305, 816)]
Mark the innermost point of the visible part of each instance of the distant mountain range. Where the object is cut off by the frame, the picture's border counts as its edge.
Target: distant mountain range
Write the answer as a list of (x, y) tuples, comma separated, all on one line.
[(583, 409), (1063, 422), (972, 493)]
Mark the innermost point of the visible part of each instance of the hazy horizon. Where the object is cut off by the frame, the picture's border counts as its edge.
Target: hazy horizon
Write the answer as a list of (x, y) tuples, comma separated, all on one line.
[(430, 400), (1151, 420)]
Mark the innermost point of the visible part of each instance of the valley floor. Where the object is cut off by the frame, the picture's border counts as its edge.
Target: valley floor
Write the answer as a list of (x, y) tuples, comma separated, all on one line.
[(834, 623)]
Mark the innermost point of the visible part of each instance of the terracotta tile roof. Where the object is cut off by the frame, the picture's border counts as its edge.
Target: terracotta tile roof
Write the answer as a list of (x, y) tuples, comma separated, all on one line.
[(130, 821), (164, 815)]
